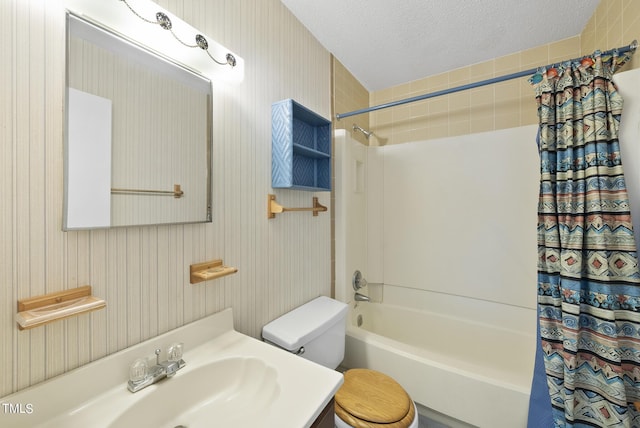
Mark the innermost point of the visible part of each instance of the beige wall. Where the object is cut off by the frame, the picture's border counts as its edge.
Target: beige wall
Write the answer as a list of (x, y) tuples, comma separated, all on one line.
[(142, 272), (503, 105)]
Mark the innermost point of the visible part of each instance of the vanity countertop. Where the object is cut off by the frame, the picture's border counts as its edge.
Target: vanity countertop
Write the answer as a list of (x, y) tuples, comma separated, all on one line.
[(95, 395)]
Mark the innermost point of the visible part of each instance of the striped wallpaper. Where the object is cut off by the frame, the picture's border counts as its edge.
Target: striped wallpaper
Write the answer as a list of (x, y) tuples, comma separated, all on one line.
[(142, 272)]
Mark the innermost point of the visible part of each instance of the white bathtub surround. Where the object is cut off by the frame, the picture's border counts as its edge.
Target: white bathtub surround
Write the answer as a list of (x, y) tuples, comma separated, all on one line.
[(292, 391), (446, 216), (459, 215), (449, 231), (351, 180), (493, 314), (628, 84)]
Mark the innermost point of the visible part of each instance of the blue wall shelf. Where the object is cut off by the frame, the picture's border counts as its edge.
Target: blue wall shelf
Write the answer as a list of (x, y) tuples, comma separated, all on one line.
[(300, 148)]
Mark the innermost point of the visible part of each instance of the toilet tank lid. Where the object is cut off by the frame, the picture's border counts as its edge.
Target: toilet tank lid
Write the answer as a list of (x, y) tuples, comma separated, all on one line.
[(303, 324)]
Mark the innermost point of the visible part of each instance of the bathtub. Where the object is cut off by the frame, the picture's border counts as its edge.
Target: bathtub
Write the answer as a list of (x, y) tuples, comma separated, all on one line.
[(471, 372)]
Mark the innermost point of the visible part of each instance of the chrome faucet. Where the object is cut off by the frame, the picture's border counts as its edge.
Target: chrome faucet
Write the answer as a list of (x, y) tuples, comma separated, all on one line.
[(360, 297), (141, 376)]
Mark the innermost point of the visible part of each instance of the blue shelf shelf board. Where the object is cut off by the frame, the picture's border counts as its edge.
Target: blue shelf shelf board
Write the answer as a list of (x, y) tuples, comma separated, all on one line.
[(300, 148)]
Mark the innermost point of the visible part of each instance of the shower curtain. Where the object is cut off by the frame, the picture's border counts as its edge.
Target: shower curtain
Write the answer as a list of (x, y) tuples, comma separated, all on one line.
[(588, 277)]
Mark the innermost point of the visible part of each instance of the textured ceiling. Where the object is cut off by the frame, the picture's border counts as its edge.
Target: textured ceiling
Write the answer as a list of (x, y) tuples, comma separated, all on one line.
[(384, 43)]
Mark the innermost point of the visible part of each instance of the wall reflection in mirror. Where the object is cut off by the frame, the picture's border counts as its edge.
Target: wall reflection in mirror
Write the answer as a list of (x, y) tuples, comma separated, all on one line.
[(138, 140)]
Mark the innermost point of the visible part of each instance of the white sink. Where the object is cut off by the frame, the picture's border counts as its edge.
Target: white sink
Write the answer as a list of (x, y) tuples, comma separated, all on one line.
[(229, 380), (230, 391)]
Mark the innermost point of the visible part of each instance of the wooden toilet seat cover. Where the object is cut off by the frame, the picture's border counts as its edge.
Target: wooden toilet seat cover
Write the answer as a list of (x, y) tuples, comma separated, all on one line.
[(370, 399)]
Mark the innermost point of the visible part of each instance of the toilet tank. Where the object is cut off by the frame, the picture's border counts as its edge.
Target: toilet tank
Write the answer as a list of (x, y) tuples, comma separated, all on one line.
[(315, 331)]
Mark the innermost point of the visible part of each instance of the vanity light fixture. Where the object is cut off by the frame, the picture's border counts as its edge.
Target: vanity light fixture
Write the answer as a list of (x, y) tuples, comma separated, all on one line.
[(201, 42)]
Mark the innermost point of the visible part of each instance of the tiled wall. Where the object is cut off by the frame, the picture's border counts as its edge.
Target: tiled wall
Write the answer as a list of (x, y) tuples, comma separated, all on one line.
[(614, 23), (503, 105), (349, 95), (143, 272)]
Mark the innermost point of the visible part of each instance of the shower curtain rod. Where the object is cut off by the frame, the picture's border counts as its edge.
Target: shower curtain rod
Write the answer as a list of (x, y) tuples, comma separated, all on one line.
[(632, 47)]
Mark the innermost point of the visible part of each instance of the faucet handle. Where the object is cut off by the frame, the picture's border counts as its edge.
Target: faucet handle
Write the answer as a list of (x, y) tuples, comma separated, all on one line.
[(174, 352), (358, 280), (138, 370)]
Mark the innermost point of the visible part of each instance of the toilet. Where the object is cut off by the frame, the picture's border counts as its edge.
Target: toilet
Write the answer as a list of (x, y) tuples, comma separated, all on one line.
[(367, 399)]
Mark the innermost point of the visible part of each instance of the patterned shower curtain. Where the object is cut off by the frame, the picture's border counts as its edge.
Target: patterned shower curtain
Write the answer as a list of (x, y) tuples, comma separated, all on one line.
[(588, 277)]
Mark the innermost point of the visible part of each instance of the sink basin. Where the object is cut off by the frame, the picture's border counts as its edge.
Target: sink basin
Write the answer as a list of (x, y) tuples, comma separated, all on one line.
[(227, 392)]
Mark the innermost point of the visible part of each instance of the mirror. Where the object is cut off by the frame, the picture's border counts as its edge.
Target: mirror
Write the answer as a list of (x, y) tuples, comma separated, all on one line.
[(138, 134)]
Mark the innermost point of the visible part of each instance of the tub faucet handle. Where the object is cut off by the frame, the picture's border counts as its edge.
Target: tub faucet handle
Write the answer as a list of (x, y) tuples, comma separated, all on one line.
[(358, 280)]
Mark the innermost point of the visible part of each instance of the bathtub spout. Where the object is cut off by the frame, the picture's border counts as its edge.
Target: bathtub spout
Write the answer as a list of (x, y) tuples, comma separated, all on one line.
[(360, 297)]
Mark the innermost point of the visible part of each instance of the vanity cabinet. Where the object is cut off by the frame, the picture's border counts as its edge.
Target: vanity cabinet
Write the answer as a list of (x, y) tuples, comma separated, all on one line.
[(300, 148), (326, 419)]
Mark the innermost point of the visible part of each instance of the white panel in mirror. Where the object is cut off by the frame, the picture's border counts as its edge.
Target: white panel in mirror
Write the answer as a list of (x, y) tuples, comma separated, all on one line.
[(88, 178)]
